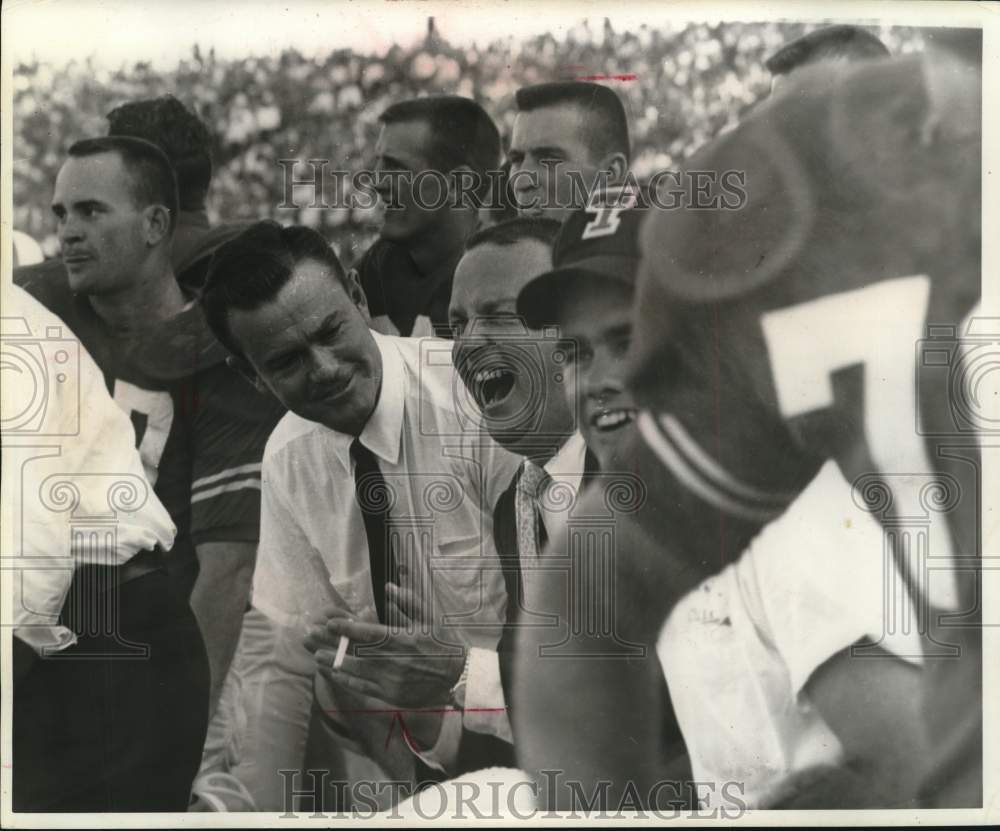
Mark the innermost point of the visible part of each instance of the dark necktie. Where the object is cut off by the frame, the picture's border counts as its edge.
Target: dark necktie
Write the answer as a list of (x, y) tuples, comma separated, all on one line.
[(375, 499)]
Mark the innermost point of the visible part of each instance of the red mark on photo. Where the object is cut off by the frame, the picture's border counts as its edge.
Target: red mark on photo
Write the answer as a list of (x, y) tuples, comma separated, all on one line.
[(397, 716), (626, 76)]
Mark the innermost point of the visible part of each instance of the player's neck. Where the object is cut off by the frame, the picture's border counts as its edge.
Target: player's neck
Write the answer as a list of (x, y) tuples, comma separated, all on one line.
[(439, 252), (153, 298)]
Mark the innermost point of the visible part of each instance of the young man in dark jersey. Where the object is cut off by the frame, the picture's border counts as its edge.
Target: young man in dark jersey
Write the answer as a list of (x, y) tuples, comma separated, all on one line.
[(179, 133), (200, 431), (431, 143), (569, 138)]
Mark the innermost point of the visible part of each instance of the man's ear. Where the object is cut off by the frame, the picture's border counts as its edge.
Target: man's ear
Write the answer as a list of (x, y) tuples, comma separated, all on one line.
[(157, 224), (617, 167), (357, 294), (245, 368)]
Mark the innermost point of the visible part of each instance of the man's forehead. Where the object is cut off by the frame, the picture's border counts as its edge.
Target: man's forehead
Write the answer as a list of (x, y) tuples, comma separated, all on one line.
[(310, 296), (493, 272), (314, 281), (403, 138), (90, 177), (559, 124)]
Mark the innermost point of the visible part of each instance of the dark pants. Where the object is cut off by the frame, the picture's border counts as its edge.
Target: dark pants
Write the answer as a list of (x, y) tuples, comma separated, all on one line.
[(98, 729)]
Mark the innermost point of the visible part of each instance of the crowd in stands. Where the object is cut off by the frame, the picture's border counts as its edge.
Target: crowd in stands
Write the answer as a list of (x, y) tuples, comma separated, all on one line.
[(288, 105)]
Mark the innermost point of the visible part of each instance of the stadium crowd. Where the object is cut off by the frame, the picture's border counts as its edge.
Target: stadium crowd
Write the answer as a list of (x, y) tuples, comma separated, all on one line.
[(580, 496), (684, 86)]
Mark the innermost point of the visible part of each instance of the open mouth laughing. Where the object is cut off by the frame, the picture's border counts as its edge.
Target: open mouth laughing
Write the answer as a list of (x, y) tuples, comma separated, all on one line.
[(493, 386)]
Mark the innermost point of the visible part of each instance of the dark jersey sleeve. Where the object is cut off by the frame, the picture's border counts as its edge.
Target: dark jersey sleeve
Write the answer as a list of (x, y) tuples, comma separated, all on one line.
[(231, 422)]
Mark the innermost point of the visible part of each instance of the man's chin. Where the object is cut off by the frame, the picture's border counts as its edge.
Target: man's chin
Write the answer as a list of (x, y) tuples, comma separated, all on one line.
[(609, 447), (526, 439), (79, 279), (396, 231)]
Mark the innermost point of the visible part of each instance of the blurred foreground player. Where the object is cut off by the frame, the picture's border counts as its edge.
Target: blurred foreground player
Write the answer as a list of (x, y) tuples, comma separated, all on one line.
[(802, 340), (758, 659), (833, 46), (200, 427)]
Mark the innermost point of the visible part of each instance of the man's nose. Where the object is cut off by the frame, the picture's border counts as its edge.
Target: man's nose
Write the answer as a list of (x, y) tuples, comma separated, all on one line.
[(323, 365), (602, 379), (69, 231), (524, 178)]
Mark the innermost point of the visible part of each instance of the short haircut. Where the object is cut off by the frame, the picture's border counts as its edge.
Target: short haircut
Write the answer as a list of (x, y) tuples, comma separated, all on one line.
[(850, 42), (606, 120), (514, 231), (168, 124), (249, 270), (153, 179), (462, 133)]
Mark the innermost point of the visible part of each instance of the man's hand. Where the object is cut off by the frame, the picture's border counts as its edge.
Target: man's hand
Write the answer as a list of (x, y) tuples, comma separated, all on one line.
[(407, 607), (404, 668)]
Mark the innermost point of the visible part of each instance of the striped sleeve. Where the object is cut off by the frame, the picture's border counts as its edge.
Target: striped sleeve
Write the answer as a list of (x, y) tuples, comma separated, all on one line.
[(232, 422), (232, 479)]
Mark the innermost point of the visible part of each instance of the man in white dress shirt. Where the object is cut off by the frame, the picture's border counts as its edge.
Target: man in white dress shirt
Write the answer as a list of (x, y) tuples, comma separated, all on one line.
[(514, 376), (376, 476)]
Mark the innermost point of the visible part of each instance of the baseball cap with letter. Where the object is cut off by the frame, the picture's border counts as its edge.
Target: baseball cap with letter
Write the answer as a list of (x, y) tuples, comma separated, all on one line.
[(599, 242)]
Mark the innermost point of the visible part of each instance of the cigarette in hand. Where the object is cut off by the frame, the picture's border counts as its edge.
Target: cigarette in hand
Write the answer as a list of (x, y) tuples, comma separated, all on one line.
[(338, 661)]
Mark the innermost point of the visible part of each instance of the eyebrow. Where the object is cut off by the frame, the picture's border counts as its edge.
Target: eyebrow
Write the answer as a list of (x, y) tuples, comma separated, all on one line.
[(547, 150), (496, 306), (83, 203)]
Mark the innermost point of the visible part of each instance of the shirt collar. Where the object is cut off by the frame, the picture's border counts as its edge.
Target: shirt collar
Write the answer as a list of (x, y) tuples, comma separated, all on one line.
[(382, 433), (568, 463)]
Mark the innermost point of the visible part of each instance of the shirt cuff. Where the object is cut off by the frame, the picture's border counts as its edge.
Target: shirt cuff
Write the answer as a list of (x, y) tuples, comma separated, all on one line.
[(46, 639), (485, 706), (445, 750)]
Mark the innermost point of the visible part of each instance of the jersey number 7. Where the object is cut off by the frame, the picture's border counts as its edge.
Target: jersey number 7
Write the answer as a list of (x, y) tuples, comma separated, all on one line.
[(877, 326)]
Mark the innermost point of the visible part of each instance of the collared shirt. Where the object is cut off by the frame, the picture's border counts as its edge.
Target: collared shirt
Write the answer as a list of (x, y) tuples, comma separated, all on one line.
[(565, 471), (485, 705), (87, 448), (739, 649), (445, 475)]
